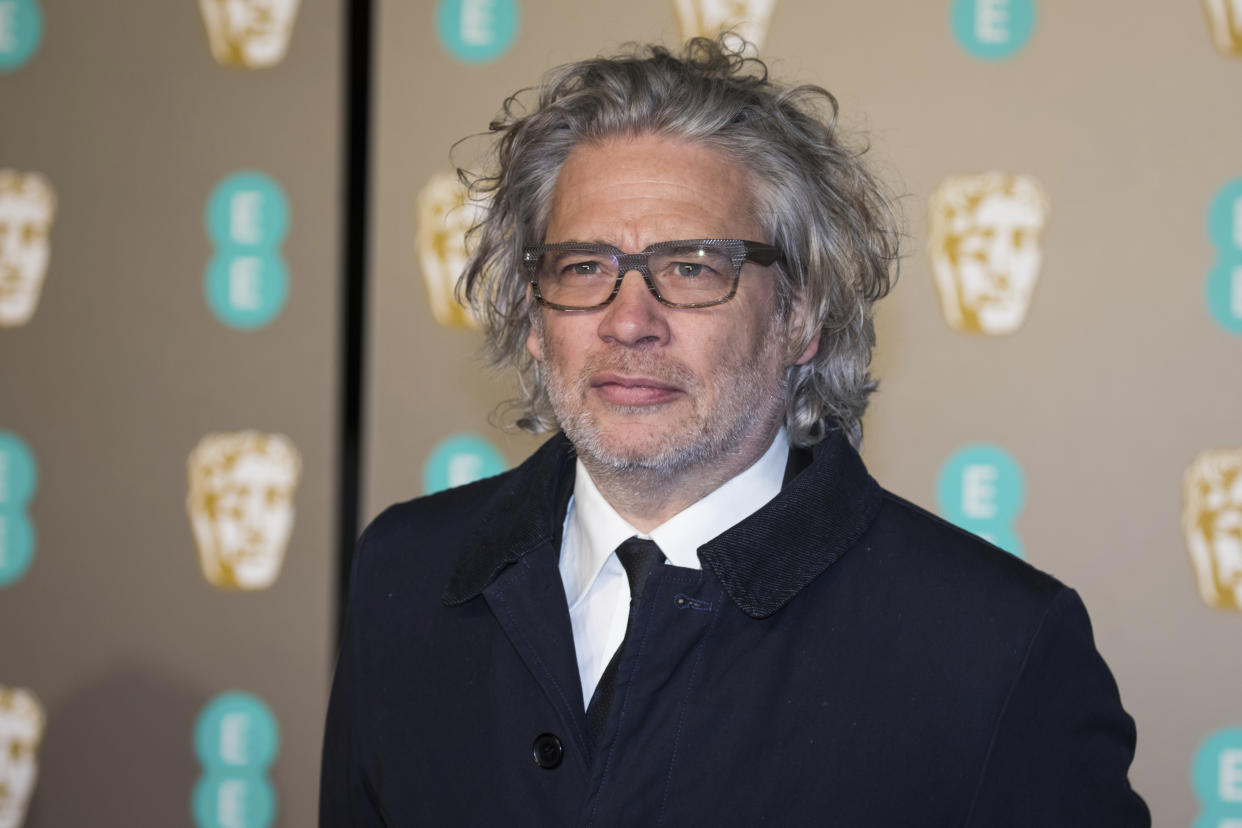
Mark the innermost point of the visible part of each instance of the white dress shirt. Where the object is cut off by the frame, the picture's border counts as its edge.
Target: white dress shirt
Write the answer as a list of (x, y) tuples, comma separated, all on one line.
[(595, 582)]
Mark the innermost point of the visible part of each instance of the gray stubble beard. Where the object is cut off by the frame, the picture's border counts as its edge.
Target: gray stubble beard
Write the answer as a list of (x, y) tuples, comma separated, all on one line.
[(719, 434)]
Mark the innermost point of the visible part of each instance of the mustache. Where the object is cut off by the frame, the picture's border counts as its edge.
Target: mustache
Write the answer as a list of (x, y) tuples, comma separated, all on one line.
[(643, 363)]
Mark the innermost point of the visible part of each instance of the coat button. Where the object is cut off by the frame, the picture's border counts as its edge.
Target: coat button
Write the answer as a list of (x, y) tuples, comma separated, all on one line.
[(547, 751)]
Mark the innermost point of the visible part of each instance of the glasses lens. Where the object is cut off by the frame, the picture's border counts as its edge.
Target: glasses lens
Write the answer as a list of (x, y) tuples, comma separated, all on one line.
[(576, 278), (694, 274)]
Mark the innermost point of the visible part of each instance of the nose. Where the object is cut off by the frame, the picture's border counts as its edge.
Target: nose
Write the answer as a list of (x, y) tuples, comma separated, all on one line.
[(635, 318)]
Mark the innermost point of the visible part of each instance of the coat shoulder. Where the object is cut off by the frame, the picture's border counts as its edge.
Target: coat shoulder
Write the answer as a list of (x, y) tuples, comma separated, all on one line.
[(420, 540), (920, 546)]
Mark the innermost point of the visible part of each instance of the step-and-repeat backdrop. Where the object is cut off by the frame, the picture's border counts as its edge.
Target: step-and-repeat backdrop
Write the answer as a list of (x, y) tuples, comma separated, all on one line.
[(169, 180), (1059, 360)]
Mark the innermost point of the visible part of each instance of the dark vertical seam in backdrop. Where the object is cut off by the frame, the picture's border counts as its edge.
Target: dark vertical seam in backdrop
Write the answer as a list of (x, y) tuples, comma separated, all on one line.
[(356, 174)]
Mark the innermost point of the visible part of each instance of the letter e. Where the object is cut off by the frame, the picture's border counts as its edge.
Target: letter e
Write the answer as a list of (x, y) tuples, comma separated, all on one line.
[(1230, 779), (992, 21), (979, 491)]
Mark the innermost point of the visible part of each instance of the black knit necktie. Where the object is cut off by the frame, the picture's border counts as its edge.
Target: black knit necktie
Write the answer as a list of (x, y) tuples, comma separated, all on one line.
[(640, 558)]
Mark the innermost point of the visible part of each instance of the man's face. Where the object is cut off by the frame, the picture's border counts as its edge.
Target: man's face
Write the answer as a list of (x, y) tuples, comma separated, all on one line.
[(25, 221), (21, 729), (637, 384), (1214, 526), (987, 260)]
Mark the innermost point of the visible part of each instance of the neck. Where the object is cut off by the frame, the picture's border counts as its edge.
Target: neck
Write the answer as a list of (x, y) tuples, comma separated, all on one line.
[(648, 497)]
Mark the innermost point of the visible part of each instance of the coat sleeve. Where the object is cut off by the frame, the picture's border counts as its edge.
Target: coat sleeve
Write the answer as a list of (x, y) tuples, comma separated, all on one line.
[(1063, 744), (346, 798)]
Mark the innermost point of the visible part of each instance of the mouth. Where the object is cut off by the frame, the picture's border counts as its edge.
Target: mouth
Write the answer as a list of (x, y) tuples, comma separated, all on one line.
[(625, 390)]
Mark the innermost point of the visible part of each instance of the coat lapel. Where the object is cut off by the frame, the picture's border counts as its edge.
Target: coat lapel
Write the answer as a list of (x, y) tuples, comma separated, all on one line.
[(528, 601)]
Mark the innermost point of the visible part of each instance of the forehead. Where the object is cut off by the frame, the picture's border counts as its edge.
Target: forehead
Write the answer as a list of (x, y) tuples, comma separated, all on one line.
[(634, 191)]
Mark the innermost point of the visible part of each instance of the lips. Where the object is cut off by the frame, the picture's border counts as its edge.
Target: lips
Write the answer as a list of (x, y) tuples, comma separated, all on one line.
[(622, 389)]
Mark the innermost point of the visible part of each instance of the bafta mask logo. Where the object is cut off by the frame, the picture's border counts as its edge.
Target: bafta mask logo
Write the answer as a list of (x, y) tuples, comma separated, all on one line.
[(1212, 520), (985, 246), (251, 34), (1224, 18), (443, 214), (21, 731), (27, 207), (241, 506), (708, 18)]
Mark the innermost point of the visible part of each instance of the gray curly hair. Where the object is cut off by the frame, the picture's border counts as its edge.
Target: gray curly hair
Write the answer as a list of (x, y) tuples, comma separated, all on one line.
[(813, 196)]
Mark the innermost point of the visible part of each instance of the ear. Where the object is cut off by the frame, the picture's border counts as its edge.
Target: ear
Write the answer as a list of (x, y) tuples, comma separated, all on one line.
[(810, 352), (797, 320), (532, 338), (532, 345)]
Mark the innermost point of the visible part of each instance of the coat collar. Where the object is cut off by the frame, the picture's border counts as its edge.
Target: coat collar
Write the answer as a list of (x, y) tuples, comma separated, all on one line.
[(824, 508)]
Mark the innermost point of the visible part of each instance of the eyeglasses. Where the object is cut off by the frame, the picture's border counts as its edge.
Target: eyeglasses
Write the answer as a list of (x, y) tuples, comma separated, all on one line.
[(694, 273)]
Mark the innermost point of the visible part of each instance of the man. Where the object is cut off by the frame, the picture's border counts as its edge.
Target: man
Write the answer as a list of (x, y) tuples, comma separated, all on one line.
[(694, 606)]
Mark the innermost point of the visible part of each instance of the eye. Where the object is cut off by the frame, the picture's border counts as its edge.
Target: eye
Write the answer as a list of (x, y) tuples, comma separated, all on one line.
[(690, 270), (588, 268)]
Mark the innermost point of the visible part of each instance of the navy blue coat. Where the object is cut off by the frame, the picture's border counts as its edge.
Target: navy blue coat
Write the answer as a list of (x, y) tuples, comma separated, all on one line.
[(843, 658)]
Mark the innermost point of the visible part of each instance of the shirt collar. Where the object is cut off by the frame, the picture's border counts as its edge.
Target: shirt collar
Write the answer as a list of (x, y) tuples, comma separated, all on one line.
[(762, 562), (594, 529)]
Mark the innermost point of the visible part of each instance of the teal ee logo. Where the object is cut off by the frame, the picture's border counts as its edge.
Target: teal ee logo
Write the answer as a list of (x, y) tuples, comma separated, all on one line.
[(1223, 291), (1216, 775), (461, 459), (992, 29), (18, 477), (247, 282), (981, 489), (223, 800), (21, 30), (477, 31), (236, 739)]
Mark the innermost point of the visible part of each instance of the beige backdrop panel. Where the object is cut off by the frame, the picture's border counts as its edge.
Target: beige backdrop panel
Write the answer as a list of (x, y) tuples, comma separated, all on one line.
[(1118, 378), (121, 371)]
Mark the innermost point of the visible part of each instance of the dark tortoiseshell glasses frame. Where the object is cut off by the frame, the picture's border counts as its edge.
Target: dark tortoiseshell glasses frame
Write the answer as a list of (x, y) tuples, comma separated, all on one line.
[(738, 250)]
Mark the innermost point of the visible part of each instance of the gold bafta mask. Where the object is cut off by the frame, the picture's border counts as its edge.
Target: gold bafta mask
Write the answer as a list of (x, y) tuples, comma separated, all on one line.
[(27, 207), (443, 214), (708, 18), (1224, 19), (21, 731), (251, 34), (985, 246), (241, 506), (1212, 520)]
